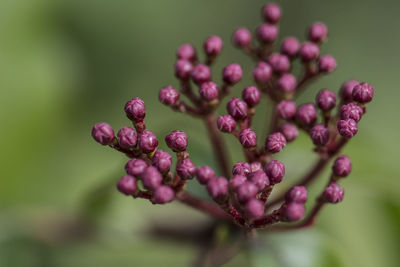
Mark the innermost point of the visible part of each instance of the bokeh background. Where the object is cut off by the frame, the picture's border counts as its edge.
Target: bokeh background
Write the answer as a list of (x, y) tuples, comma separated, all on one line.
[(66, 65)]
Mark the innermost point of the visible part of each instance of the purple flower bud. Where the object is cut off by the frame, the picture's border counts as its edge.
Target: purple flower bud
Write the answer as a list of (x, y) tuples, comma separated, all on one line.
[(297, 194), (293, 212), (267, 33), (306, 114), (271, 13), (346, 91), (226, 123), (148, 142), (254, 208), (262, 73), (342, 166), (327, 63), (177, 141), (351, 111), (286, 83), (187, 52), (319, 135), (103, 133), (127, 137), (248, 138), (275, 171), (241, 168), (290, 47), (326, 100), (347, 128), (204, 174), (363, 93), (151, 178), (237, 108), (290, 131), (127, 185), (163, 194), (237, 181), (275, 142), (213, 45), (162, 160), (246, 191), (317, 32), (279, 63), (200, 74), (333, 193), (135, 109), (260, 179), (209, 91), (186, 169), (232, 73), (242, 37), (251, 95), (168, 96), (255, 166), (183, 68), (309, 51), (287, 109), (218, 187), (135, 167)]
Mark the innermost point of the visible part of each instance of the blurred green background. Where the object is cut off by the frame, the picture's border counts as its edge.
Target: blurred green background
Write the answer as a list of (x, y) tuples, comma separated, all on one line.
[(65, 65)]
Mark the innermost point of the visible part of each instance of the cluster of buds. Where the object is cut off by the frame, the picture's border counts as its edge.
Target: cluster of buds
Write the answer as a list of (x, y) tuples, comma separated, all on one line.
[(241, 192)]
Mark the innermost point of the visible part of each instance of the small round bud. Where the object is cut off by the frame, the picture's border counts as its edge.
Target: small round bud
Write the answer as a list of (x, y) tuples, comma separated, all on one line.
[(127, 137), (309, 51), (232, 73), (103, 133), (151, 178), (209, 91), (213, 45), (162, 160), (135, 167), (279, 63), (255, 166), (275, 171), (186, 169), (127, 185), (251, 95), (163, 194), (168, 96), (267, 33), (318, 32), (183, 68), (326, 100), (241, 168), (135, 109), (246, 191), (293, 212), (286, 83), (226, 123), (248, 138), (262, 73), (218, 187), (333, 193), (275, 142), (237, 108), (254, 208), (347, 128), (271, 13), (187, 52), (297, 194), (327, 63), (237, 181), (177, 141), (242, 37), (260, 179), (148, 142), (290, 47), (204, 174), (351, 111), (342, 166), (363, 93), (306, 114), (319, 135), (346, 91), (290, 131), (200, 74), (287, 109)]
